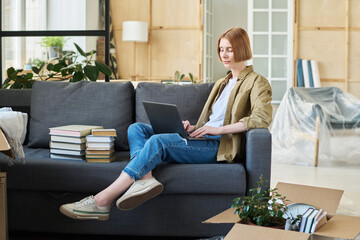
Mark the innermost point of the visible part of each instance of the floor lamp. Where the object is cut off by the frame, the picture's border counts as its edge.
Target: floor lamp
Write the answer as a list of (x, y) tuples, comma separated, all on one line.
[(135, 31)]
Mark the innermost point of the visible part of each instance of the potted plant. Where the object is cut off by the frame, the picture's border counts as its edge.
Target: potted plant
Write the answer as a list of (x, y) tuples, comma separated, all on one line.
[(54, 45), (66, 67), (261, 207)]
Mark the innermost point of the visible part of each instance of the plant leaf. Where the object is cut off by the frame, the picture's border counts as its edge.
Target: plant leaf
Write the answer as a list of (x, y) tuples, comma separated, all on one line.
[(35, 70), (10, 71), (80, 50), (103, 68), (50, 67), (91, 72), (78, 76)]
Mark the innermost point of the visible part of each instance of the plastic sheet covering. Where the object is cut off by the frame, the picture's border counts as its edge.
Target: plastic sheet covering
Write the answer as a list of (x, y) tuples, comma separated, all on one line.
[(306, 115)]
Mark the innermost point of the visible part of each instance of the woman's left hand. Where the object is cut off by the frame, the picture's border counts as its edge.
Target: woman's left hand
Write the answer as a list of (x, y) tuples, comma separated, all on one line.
[(205, 130)]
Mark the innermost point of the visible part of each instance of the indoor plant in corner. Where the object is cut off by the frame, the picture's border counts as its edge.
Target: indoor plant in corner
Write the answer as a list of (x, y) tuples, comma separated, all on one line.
[(261, 207)]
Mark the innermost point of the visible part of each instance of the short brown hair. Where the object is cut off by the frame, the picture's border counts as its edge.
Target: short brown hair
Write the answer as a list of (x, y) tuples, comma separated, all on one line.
[(240, 44)]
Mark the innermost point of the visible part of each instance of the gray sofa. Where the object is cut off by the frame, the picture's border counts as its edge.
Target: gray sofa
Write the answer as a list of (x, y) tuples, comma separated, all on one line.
[(192, 192)]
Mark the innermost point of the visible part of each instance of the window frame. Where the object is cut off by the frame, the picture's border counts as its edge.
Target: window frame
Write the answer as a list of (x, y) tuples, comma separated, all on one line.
[(269, 33), (78, 33)]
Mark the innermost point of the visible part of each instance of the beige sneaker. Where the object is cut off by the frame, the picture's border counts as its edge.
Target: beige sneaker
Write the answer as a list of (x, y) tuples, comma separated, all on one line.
[(138, 193), (85, 209)]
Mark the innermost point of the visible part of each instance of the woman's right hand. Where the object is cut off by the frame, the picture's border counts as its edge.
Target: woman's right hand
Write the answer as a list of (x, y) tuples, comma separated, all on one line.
[(188, 128)]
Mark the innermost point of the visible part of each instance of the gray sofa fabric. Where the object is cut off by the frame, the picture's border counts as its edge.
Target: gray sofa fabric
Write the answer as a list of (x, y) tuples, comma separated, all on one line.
[(56, 104), (189, 99), (192, 192)]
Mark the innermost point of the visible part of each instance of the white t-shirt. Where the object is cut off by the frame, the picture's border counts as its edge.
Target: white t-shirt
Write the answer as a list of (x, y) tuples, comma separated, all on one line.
[(219, 107)]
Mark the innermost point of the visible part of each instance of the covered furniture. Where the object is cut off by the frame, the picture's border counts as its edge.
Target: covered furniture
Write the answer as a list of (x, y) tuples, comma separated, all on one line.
[(313, 123), (192, 192)]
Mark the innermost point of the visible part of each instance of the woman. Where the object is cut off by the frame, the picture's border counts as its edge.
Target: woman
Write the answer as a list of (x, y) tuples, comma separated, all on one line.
[(247, 97)]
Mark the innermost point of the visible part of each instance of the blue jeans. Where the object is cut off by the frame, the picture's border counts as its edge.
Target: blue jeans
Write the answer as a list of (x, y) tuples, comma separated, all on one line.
[(147, 150)]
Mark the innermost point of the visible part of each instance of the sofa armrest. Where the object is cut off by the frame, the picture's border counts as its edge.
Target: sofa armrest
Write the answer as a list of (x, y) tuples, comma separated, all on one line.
[(258, 156)]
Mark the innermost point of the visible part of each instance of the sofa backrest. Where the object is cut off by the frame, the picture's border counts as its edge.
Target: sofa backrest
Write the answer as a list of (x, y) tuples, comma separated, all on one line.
[(189, 99), (53, 104), (18, 100), (112, 105)]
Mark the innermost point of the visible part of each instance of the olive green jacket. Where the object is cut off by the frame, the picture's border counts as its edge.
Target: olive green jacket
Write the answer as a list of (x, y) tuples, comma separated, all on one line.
[(249, 102)]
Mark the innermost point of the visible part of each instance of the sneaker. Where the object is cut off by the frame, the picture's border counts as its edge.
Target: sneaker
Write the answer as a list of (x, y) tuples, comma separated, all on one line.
[(138, 193), (85, 209)]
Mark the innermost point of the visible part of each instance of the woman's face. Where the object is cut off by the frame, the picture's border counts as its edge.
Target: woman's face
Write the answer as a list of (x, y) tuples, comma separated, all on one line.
[(226, 53)]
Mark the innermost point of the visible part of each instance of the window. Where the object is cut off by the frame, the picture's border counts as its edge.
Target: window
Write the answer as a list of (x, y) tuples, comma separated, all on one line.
[(270, 31), (25, 24)]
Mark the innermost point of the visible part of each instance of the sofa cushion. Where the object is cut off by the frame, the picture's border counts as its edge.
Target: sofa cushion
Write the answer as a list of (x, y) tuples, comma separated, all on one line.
[(82, 177), (56, 104), (189, 98)]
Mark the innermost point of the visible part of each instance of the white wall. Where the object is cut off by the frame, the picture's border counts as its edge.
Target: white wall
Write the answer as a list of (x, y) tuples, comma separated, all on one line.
[(227, 14)]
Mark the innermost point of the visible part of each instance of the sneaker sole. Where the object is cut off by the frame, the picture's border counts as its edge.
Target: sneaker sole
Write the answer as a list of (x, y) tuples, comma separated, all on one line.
[(132, 202), (79, 216)]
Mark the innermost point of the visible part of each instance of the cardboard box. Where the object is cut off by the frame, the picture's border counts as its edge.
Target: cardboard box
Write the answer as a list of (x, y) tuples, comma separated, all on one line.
[(338, 226), (4, 145)]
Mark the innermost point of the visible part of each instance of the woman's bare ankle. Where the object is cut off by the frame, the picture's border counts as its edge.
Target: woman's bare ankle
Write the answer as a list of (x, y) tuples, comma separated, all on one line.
[(100, 201)]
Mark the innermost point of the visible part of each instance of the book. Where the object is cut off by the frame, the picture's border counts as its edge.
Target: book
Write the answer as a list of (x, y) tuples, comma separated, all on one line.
[(67, 157), (57, 138), (315, 73), (310, 221), (96, 152), (304, 219), (98, 155), (300, 75), (105, 145), (306, 73), (92, 138), (73, 130), (67, 152), (104, 132), (310, 74), (5, 147), (320, 219), (67, 146), (106, 160), (99, 148)]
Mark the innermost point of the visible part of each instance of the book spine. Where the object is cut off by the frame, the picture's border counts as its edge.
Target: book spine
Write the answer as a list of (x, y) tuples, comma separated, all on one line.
[(310, 74), (300, 78)]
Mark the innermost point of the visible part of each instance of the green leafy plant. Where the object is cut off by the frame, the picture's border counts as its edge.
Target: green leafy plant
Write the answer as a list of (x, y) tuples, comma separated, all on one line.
[(53, 42), (66, 67), (261, 207)]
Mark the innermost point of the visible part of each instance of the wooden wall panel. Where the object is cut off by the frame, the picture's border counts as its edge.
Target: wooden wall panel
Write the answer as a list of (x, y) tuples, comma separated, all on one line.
[(175, 38), (354, 13), (328, 50), (354, 55), (168, 58), (129, 10), (180, 13), (329, 31), (326, 13)]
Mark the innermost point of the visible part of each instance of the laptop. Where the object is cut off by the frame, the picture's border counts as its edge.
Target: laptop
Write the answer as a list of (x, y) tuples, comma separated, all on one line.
[(165, 118)]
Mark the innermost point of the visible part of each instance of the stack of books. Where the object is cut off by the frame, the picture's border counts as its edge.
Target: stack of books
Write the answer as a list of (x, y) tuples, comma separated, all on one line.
[(100, 145), (68, 142), (312, 220)]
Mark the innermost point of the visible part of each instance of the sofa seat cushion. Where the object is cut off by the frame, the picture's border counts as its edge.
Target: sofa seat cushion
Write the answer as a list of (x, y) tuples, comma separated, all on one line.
[(54, 104), (41, 173), (189, 98)]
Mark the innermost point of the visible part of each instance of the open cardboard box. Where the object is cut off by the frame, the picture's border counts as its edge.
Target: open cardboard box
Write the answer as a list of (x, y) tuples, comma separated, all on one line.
[(5, 147), (337, 227)]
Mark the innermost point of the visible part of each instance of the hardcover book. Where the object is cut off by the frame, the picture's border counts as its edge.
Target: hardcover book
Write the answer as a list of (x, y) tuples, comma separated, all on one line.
[(106, 160), (104, 132), (92, 138), (73, 130), (57, 138), (67, 146)]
